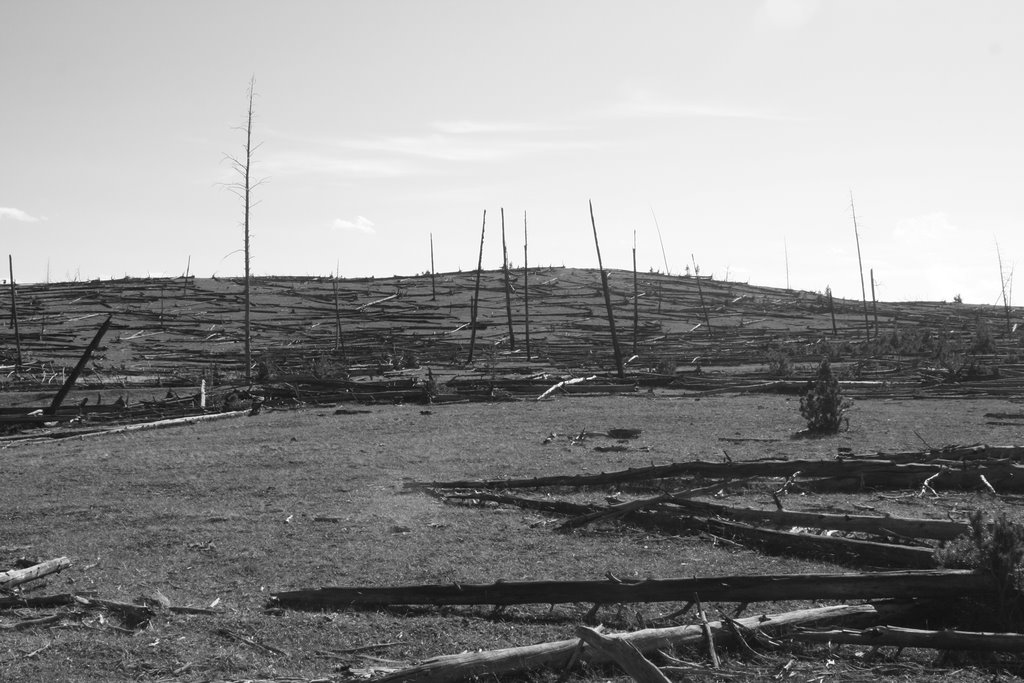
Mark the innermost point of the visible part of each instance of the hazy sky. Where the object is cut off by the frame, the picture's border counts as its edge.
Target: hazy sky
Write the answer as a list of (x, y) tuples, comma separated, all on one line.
[(742, 125)]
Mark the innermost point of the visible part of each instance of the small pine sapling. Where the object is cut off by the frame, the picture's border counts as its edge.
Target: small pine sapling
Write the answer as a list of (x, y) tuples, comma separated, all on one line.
[(823, 406)]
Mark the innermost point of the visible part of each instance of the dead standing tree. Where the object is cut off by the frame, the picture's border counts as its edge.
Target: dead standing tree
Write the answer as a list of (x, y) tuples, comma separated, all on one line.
[(475, 303), (243, 187), (508, 284), (607, 300)]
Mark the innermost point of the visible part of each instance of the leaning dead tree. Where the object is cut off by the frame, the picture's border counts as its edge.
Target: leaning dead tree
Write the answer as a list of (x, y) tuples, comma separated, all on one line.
[(243, 187)]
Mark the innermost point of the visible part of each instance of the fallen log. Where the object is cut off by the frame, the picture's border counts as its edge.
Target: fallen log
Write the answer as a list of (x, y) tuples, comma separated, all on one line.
[(895, 636), (157, 424), (639, 668), (863, 473), (863, 586), (544, 505), (834, 547), (564, 384), (453, 668), (850, 550), (29, 623), (15, 577), (939, 529)]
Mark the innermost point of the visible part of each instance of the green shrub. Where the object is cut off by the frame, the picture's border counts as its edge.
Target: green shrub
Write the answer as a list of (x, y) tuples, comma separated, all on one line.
[(823, 405), (779, 363), (998, 550), (982, 340)]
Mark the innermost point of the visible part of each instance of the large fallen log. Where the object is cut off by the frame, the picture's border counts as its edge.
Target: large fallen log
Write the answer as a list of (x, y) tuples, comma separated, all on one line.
[(452, 668), (958, 453), (850, 550), (897, 584), (839, 548), (862, 473), (15, 577), (157, 424), (939, 529), (911, 637)]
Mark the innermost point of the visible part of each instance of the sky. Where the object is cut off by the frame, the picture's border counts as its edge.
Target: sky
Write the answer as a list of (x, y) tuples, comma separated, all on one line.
[(738, 129)]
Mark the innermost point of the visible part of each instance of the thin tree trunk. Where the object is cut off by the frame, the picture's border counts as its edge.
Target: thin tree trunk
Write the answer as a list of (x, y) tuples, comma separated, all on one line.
[(476, 292), (860, 265), (433, 284), (636, 299), (700, 292), (339, 341), (874, 301), (248, 194), (832, 310), (14, 314), (607, 300), (526, 286), (508, 284)]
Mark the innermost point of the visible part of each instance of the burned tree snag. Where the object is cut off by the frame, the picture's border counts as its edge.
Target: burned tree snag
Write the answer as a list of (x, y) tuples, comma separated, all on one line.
[(607, 300)]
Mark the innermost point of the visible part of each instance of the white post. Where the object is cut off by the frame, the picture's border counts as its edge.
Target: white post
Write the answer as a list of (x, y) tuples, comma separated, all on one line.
[(202, 393)]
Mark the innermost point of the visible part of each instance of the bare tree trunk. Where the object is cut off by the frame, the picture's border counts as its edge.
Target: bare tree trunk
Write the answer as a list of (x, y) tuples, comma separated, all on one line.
[(508, 285), (433, 284), (243, 188), (476, 292), (874, 301), (860, 265), (832, 310), (607, 300), (700, 292), (526, 285), (14, 314), (636, 298), (248, 193)]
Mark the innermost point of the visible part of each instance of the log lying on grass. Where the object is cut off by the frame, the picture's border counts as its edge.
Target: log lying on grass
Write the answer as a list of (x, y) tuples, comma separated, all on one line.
[(852, 550), (939, 529), (639, 668), (452, 668), (15, 577), (910, 637), (841, 474), (898, 584)]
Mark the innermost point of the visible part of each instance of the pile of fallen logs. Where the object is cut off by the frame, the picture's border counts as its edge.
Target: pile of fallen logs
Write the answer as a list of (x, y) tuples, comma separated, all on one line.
[(896, 597), (861, 540), (176, 331), (898, 602), (73, 607)]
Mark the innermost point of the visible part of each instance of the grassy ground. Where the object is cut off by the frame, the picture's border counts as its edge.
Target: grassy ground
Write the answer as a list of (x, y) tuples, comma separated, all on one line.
[(233, 511)]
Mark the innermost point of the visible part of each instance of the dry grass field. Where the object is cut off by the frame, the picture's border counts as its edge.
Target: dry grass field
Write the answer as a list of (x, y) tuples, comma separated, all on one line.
[(231, 512)]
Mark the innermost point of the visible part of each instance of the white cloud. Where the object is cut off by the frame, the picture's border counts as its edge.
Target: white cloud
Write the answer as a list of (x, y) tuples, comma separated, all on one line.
[(17, 215), (360, 224)]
